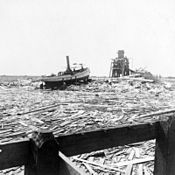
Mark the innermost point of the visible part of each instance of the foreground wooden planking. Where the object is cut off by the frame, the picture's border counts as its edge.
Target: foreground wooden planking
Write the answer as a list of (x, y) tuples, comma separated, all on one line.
[(86, 142), (17, 153), (14, 154)]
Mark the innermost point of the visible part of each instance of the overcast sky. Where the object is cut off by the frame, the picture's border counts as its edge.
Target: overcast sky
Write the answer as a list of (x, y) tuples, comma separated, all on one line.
[(36, 35)]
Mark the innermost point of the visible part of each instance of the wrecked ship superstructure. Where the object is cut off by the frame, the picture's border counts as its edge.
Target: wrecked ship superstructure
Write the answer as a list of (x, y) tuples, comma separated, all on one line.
[(119, 65), (68, 77)]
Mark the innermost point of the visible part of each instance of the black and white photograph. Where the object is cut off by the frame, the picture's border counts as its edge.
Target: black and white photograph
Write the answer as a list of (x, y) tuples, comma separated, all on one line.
[(87, 87)]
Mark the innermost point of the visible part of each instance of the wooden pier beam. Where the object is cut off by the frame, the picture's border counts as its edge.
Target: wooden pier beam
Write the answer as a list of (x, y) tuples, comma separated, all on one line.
[(86, 142), (165, 148), (46, 159), (43, 158)]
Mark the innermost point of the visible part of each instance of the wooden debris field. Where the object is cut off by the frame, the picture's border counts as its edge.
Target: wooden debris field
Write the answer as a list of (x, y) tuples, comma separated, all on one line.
[(97, 105)]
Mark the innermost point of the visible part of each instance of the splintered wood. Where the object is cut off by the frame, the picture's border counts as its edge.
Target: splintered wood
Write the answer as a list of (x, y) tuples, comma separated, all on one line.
[(97, 105), (131, 159)]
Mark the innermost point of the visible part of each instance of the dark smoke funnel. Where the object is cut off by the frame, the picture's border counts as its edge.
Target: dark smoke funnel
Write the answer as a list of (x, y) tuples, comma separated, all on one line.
[(68, 65)]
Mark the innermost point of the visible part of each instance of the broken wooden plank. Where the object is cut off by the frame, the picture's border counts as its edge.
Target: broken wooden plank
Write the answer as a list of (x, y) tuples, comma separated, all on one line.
[(66, 166), (129, 169), (130, 166), (158, 113), (91, 171), (134, 161), (99, 165), (42, 109), (140, 169)]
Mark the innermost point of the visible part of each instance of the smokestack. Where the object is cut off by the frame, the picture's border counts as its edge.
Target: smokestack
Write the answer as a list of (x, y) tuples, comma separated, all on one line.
[(68, 64), (121, 54)]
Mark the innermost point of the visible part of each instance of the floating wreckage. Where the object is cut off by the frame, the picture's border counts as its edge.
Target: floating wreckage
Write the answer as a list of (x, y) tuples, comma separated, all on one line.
[(120, 69), (66, 78), (120, 65)]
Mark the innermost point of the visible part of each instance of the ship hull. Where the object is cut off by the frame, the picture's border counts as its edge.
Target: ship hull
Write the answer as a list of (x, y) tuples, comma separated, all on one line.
[(59, 82)]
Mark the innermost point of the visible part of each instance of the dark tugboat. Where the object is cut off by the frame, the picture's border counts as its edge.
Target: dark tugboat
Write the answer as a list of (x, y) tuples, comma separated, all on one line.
[(66, 78)]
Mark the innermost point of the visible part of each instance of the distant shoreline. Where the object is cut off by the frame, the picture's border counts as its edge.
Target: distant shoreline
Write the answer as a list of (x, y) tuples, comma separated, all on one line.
[(17, 77)]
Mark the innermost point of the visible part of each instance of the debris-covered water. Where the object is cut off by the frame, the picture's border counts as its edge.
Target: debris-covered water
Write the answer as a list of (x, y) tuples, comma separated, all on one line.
[(96, 105)]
